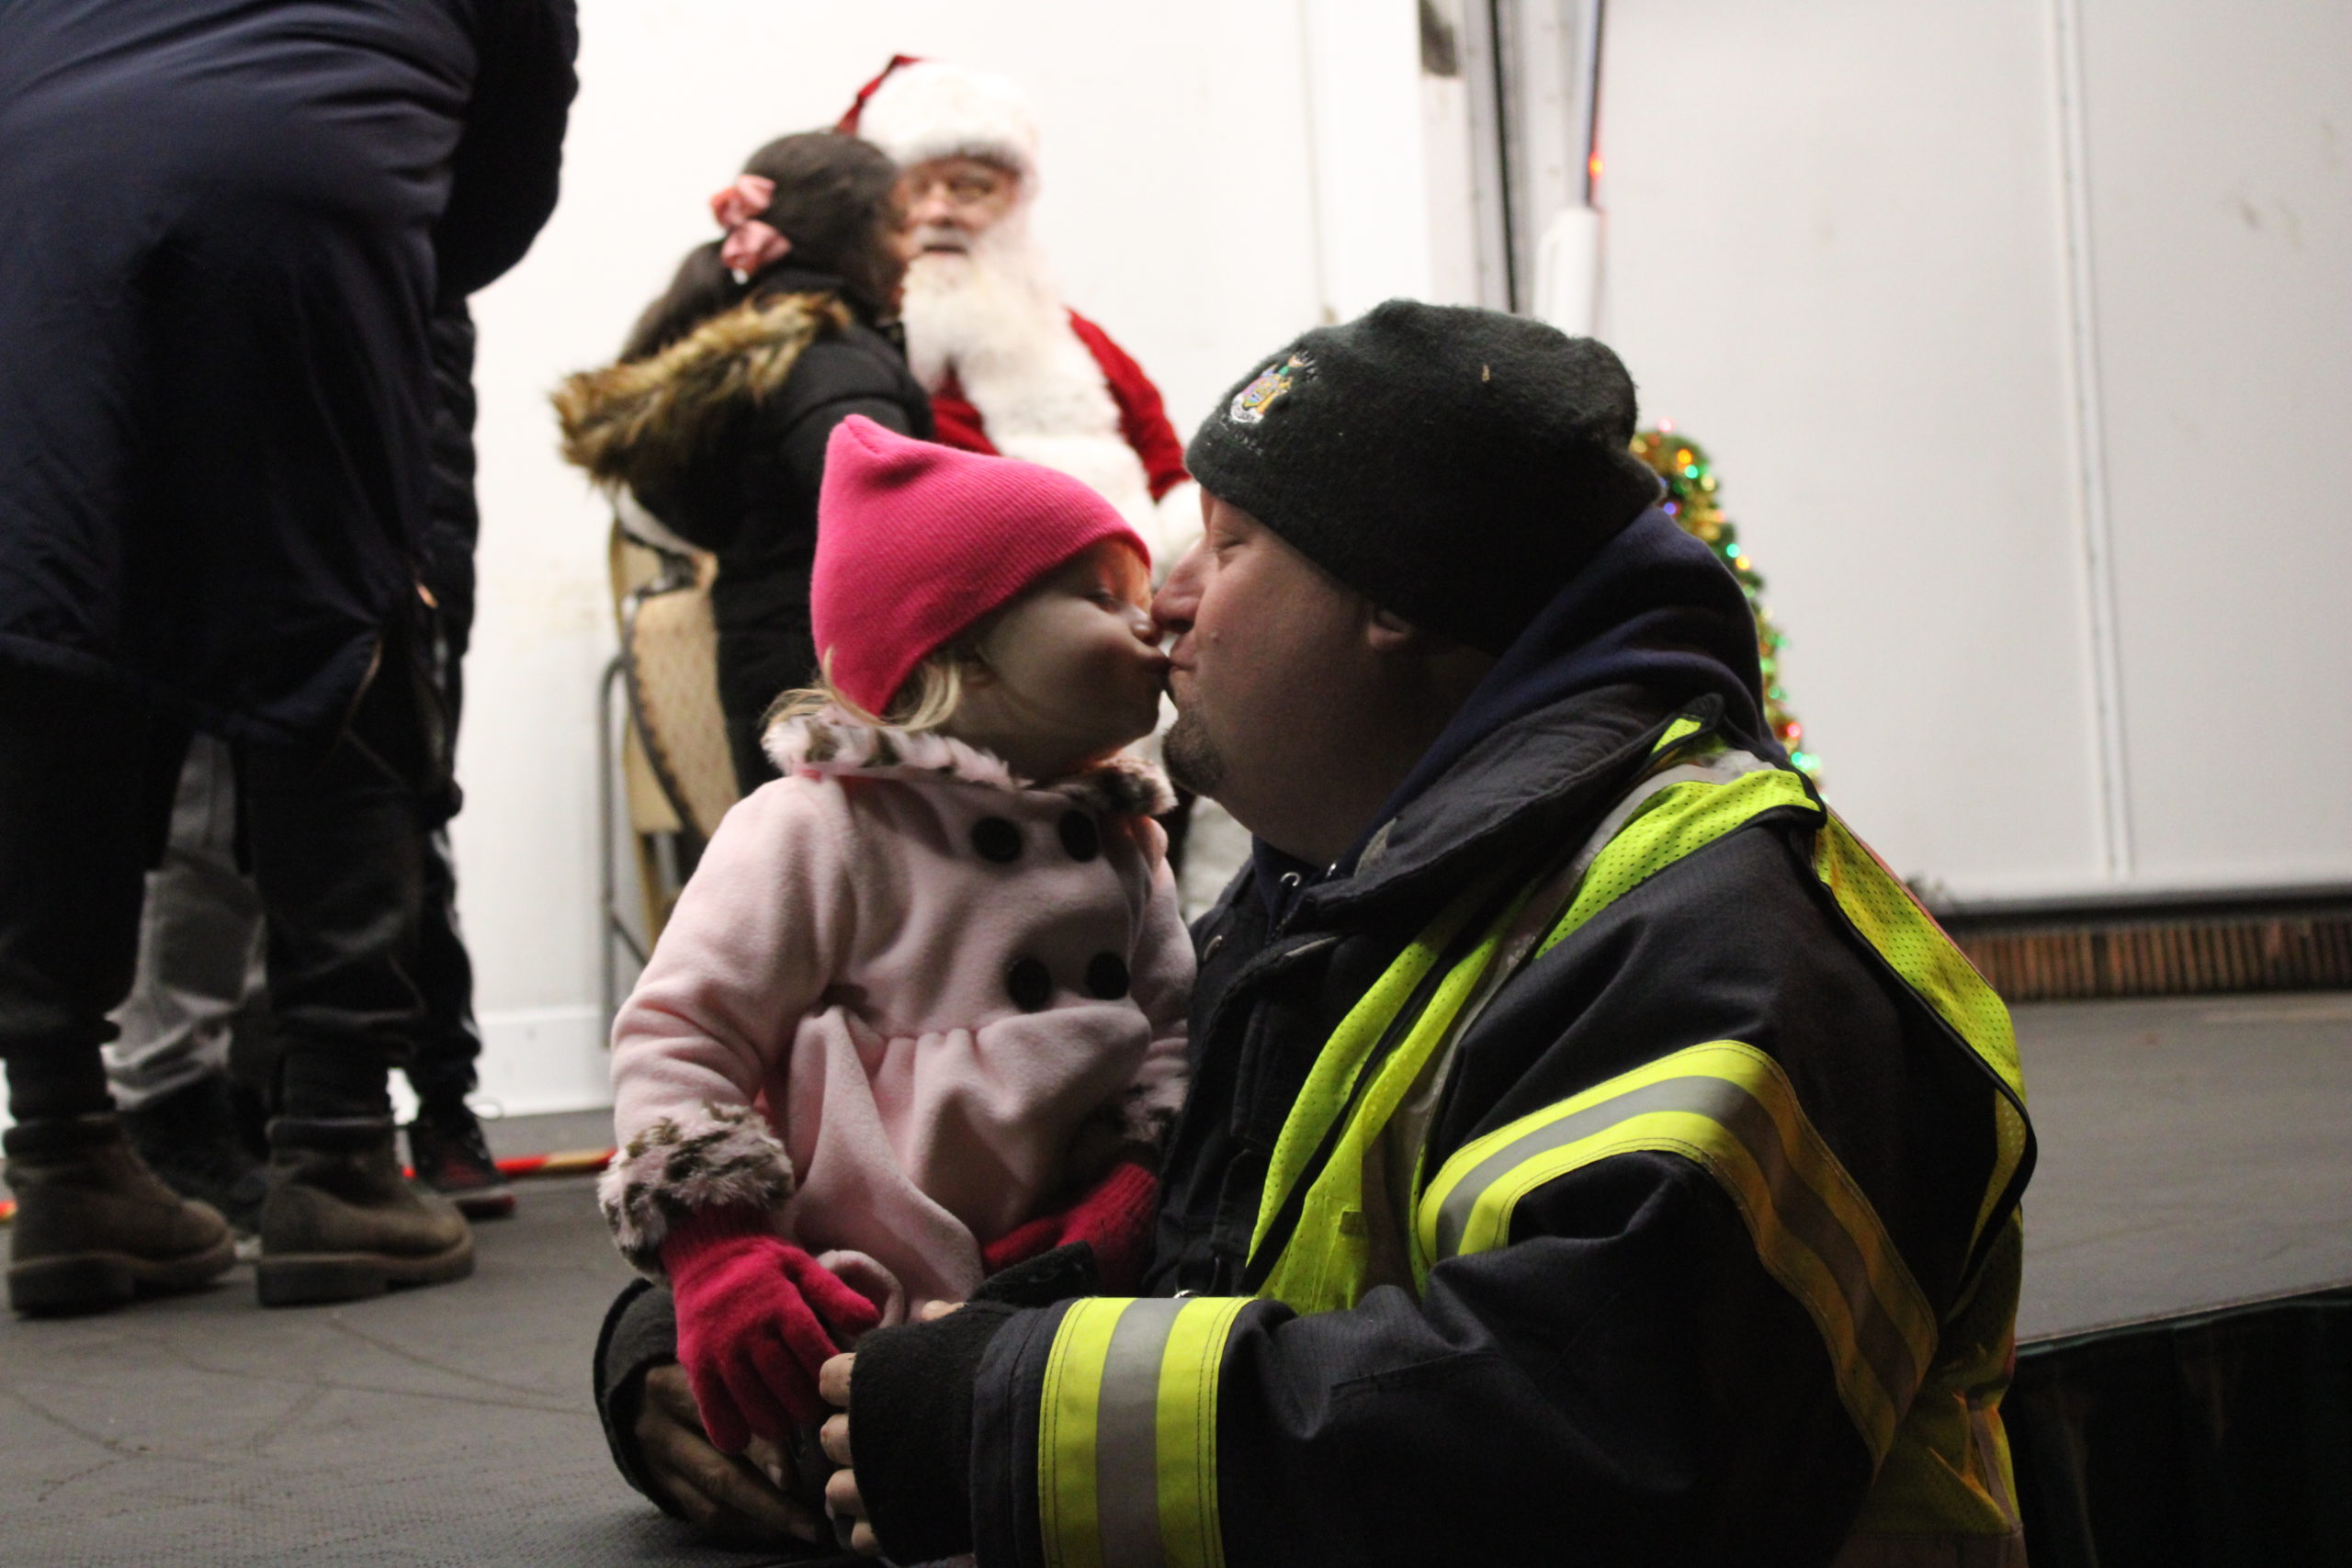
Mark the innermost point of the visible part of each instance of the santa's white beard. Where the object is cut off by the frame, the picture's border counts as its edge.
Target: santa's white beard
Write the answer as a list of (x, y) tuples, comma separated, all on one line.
[(995, 300), (994, 318)]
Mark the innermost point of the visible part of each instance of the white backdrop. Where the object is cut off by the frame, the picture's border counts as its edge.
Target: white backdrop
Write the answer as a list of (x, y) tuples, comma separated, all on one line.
[(1958, 296), (2021, 333)]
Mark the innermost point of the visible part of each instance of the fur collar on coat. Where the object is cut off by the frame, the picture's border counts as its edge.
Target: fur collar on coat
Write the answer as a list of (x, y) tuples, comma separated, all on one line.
[(832, 743), (642, 421)]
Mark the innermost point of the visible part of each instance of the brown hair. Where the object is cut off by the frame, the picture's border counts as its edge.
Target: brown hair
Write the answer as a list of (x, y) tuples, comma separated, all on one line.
[(835, 201)]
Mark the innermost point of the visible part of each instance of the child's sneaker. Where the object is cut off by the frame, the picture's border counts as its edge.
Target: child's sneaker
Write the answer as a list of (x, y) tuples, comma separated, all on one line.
[(449, 1155)]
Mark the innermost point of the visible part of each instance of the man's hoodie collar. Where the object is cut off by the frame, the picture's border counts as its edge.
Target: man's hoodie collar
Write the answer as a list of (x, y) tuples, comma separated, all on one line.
[(1654, 625)]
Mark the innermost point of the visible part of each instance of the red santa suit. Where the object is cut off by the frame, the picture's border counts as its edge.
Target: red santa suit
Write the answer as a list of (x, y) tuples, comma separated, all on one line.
[(1010, 367)]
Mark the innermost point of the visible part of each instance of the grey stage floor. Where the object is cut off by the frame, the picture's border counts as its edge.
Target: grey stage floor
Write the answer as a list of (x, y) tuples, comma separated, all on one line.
[(2194, 1152)]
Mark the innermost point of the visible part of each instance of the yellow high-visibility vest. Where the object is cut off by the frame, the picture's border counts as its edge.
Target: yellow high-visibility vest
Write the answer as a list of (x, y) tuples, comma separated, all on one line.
[(1347, 1205)]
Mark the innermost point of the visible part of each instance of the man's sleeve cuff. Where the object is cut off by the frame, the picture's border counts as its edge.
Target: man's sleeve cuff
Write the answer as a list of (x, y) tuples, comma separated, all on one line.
[(911, 1428), (640, 1333)]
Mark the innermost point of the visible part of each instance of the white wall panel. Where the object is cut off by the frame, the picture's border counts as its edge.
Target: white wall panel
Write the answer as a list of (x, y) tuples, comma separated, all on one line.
[(2220, 178), (1833, 256)]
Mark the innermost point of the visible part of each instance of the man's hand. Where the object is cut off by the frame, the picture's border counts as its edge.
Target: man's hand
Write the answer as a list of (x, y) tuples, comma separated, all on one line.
[(841, 1489), (735, 1501)]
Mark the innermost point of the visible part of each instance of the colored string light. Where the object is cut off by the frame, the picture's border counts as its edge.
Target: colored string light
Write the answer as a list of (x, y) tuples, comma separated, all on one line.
[(1691, 487)]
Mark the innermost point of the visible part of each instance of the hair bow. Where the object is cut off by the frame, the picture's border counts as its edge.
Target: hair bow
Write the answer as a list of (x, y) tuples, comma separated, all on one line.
[(751, 243)]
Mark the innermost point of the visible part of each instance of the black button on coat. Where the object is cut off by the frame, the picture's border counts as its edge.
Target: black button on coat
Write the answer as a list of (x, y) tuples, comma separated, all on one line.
[(997, 840), (227, 228), (1079, 836), (1106, 977), (1029, 984)]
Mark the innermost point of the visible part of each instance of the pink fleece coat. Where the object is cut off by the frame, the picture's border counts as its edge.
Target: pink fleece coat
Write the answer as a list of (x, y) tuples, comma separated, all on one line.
[(905, 1003)]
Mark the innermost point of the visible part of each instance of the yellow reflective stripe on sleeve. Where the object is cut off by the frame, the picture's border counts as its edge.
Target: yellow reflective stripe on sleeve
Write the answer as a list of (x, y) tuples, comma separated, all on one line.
[(1067, 1419), (1729, 1107), (1884, 911), (1949, 1473), (1678, 821), (1186, 1460), (1126, 1435)]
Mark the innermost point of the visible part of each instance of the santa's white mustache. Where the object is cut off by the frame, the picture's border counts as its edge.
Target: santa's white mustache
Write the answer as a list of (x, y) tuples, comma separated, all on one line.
[(942, 237)]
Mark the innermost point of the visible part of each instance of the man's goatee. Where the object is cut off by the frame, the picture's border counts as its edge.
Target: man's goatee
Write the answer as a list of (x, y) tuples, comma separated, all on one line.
[(1192, 760)]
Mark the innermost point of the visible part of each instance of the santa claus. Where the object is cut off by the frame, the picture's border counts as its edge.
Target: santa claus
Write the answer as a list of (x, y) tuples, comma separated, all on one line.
[(1010, 367)]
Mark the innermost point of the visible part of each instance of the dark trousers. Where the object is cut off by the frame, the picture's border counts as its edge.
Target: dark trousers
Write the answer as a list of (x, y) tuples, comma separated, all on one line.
[(443, 1068), (335, 835), (450, 1045)]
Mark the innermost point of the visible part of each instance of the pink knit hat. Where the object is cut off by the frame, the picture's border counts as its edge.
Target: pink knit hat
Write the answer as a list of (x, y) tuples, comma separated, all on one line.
[(915, 542)]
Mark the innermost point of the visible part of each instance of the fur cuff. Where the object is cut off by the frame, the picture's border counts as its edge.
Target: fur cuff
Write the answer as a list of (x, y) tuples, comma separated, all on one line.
[(724, 1159), (1148, 1111)]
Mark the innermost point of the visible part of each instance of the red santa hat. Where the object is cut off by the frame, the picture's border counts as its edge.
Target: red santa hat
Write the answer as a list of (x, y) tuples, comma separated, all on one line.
[(917, 542), (917, 109)]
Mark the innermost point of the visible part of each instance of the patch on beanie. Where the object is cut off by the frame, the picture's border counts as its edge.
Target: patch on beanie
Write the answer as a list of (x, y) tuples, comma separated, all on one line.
[(1250, 403)]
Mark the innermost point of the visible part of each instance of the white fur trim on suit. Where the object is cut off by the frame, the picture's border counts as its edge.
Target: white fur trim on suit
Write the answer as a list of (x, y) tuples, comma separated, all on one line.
[(932, 109), (724, 1158)]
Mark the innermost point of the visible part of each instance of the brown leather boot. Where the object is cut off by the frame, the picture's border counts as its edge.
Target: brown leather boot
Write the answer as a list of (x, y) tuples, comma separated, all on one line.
[(93, 1228), (341, 1221)]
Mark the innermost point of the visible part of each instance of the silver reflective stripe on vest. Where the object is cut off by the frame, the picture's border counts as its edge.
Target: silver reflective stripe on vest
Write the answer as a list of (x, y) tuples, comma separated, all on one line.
[(1722, 768)]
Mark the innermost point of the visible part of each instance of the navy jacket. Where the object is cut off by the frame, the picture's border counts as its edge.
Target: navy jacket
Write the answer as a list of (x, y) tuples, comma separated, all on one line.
[(228, 226)]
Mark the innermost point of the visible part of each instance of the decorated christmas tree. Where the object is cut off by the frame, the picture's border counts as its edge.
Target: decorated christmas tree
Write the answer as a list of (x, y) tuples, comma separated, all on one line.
[(1690, 500)]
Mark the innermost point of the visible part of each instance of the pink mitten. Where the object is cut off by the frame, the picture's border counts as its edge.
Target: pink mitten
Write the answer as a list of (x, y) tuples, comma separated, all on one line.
[(756, 1317), (1115, 1219)]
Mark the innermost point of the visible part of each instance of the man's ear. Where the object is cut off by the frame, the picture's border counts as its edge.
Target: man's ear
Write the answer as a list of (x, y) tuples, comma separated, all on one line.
[(1388, 632)]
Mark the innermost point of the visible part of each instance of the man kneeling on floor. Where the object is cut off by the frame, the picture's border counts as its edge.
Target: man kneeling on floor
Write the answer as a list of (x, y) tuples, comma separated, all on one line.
[(1592, 1148)]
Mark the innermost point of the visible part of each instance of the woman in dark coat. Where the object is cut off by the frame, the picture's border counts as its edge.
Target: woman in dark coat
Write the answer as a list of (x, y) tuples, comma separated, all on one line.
[(716, 417), (227, 225)]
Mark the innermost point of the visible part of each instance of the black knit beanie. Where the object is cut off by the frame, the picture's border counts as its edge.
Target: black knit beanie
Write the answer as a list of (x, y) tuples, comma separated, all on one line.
[(1457, 466)]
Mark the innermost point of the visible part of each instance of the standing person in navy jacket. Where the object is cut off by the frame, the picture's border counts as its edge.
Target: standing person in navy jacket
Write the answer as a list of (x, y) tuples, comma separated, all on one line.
[(229, 228)]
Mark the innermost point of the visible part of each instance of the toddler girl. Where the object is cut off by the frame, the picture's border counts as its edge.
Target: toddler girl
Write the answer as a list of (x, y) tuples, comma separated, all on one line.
[(920, 1011)]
